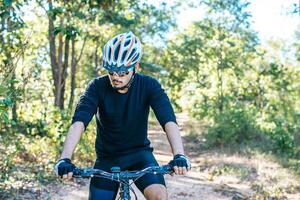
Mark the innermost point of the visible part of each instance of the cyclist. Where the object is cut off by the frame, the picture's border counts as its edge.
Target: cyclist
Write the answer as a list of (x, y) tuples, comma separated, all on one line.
[(121, 101)]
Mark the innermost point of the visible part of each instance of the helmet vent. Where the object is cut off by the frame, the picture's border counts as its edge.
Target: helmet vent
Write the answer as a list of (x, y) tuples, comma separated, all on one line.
[(115, 40), (135, 57), (127, 43), (123, 56), (109, 53), (116, 53), (131, 54)]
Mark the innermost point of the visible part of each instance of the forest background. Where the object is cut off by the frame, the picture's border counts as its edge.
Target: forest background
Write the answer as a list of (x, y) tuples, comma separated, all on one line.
[(244, 95)]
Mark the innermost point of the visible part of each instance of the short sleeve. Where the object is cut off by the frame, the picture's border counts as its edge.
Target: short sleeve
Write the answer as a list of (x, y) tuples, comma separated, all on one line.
[(87, 105), (160, 103)]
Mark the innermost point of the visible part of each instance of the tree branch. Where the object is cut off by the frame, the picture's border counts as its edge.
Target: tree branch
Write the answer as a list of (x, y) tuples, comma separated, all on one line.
[(81, 51)]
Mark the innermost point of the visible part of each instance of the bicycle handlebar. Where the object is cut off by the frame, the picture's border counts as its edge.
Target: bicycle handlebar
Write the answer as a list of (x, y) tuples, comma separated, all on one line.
[(117, 174)]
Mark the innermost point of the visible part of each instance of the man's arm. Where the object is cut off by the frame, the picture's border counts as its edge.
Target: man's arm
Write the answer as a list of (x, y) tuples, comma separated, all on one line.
[(72, 139), (172, 131), (173, 134), (161, 105), (64, 166), (84, 112)]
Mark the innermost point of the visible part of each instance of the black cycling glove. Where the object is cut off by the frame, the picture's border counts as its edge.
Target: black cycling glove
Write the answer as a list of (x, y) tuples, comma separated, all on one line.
[(180, 160), (64, 166)]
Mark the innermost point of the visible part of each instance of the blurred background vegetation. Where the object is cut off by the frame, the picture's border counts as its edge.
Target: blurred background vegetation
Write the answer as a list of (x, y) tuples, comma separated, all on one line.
[(216, 70)]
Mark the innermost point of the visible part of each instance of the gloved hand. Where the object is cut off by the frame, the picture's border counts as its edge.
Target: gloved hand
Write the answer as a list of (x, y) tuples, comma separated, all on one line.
[(64, 167), (180, 164)]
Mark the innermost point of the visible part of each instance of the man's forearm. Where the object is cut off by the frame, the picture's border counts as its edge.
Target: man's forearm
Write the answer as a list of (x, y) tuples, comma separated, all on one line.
[(173, 134), (72, 139)]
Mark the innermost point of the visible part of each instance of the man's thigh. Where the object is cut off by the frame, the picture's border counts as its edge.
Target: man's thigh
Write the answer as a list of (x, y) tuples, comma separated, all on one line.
[(96, 193), (102, 188), (146, 159)]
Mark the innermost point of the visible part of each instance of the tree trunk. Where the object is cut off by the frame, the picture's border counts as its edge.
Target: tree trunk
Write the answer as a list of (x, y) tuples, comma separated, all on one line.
[(53, 60), (73, 72), (14, 106), (60, 68), (64, 74), (260, 98), (96, 68), (10, 66), (220, 85), (2, 29), (59, 60), (74, 62)]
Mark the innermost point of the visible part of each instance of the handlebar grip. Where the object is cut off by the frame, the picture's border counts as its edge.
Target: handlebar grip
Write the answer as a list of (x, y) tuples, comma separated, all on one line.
[(82, 173), (168, 168), (77, 172)]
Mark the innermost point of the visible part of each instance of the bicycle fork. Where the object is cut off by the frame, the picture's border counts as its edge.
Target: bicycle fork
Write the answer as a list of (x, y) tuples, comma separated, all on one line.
[(124, 190)]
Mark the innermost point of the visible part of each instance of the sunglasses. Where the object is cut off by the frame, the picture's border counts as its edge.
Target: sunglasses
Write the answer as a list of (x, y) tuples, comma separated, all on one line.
[(121, 73)]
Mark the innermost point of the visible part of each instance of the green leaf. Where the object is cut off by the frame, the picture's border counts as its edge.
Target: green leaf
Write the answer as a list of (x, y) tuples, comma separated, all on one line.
[(3, 90), (7, 2), (5, 117), (80, 15), (3, 109), (57, 30), (4, 13)]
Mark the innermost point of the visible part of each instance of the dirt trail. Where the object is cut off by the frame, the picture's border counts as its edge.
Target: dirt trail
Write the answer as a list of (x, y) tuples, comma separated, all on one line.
[(203, 182)]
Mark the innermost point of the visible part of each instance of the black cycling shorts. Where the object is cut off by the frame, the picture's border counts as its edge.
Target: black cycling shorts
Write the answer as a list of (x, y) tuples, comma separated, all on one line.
[(105, 189)]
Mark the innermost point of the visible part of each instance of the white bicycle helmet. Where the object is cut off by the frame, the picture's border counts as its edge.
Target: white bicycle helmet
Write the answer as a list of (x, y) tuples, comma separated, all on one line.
[(122, 52)]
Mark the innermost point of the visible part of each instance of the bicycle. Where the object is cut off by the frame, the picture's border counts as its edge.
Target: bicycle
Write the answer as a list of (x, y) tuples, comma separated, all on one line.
[(123, 177)]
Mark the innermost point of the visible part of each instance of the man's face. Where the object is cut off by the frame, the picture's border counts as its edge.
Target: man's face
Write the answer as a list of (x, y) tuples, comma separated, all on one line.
[(119, 80)]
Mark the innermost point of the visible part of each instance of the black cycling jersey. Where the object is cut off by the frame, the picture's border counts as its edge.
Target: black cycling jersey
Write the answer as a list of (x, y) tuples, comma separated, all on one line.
[(122, 119)]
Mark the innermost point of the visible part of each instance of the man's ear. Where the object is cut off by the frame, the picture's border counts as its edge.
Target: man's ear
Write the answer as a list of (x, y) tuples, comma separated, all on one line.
[(137, 66)]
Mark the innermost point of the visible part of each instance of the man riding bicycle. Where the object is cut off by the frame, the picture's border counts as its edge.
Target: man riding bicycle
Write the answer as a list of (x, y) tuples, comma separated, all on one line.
[(121, 102)]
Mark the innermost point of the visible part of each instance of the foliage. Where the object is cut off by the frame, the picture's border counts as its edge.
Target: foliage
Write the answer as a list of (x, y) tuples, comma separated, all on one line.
[(5, 104), (11, 49), (215, 69), (220, 74), (281, 133), (29, 151), (235, 125)]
